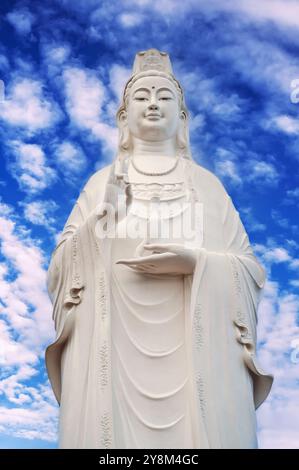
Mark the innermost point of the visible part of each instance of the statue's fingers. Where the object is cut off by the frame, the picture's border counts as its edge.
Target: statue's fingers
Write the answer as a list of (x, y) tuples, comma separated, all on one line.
[(164, 247), (138, 268), (142, 269), (146, 259), (156, 246), (137, 261), (126, 262)]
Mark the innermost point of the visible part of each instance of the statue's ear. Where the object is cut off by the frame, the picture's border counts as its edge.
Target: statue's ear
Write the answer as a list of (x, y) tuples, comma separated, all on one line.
[(124, 136), (122, 117), (182, 136)]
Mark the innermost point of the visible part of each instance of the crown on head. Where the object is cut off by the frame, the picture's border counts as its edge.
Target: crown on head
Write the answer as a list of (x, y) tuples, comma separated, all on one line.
[(152, 59)]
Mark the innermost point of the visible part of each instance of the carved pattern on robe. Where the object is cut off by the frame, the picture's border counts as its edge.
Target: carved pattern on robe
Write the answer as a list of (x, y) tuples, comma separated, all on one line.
[(73, 295), (197, 326), (106, 427), (239, 313), (201, 393), (103, 296), (104, 365), (76, 278), (244, 336)]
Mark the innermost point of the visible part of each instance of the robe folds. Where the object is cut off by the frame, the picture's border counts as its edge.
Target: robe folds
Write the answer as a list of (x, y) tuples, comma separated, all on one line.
[(221, 299)]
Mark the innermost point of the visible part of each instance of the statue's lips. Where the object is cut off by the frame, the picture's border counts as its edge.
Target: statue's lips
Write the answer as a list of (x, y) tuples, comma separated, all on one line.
[(153, 117)]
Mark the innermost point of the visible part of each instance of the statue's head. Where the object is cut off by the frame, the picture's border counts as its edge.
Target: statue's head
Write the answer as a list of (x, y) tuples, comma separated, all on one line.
[(153, 106)]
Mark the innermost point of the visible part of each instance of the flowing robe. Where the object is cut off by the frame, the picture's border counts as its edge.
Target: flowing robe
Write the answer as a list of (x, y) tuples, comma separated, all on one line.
[(152, 389), (220, 325)]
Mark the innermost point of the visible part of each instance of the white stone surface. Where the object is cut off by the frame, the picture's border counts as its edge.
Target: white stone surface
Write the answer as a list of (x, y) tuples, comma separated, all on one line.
[(156, 332)]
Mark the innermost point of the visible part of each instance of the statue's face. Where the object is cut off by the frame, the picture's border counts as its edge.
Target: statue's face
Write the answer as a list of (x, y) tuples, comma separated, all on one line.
[(153, 109)]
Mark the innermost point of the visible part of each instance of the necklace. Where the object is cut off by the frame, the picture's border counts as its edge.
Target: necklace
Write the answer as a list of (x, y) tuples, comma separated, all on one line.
[(156, 173)]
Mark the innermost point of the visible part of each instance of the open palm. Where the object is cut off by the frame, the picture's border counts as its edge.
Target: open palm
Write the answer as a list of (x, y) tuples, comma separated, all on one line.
[(168, 258)]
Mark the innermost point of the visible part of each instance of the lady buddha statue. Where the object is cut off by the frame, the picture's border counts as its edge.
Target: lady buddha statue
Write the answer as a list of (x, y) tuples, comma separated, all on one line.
[(155, 291)]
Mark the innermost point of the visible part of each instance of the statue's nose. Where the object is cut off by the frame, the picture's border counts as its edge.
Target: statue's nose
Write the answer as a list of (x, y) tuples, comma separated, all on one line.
[(153, 106)]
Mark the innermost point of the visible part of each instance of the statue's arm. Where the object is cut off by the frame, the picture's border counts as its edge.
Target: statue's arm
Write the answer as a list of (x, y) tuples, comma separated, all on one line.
[(66, 275), (248, 278), (237, 242), (61, 275), (65, 279)]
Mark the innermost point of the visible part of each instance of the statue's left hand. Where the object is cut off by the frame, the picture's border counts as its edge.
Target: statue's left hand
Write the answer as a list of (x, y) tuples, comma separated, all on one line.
[(168, 258)]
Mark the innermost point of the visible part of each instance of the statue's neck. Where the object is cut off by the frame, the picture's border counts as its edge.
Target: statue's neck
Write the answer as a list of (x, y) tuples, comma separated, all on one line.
[(157, 157), (143, 149)]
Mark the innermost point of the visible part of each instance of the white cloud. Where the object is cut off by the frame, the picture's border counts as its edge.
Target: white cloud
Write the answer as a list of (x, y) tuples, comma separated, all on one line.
[(27, 307), (84, 100), (287, 124), (262, 172), (70, 159), (34, 417), (30, 167), (25, 329), (293, 193), (118, 76), (196, 123), (277, 255), (40, 213), (5, 209), (279, 219), (294, 283), (226, 166), (25, 105), (22, 20), (228, 169), (277, 331), (273, 254), (252, 223), (130, 19), (4, 64), (55, 56), (281, 12), (294, 264), (12, 352), (292, 197), (11, 386), (56, 53)]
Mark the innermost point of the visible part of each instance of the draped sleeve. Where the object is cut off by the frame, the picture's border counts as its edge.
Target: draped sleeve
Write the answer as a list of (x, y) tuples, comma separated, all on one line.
[(67, 276), (227, 286), (248, 279)]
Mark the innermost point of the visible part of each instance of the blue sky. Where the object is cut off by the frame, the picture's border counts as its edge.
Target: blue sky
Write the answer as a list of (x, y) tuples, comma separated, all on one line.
[(63, 64)]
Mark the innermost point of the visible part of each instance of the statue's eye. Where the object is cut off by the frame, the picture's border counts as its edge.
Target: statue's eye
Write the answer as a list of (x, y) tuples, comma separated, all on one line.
[(140, 98), (165, 98)]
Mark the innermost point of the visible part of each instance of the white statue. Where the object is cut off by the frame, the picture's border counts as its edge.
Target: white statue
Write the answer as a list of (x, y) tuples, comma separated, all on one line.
[(156, 333)]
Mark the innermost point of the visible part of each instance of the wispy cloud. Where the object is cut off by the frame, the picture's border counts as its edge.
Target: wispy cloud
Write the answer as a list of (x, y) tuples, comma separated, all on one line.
[(40, 212), (70, 159), (28, 406), (277, 332), (27, 106), (85, 95), (287, 124), (30, 167), (21, 19)]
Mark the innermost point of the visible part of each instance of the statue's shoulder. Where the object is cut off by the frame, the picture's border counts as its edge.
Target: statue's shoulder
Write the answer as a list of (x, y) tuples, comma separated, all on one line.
[(208, 180), (94, 190), (98, 179)]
